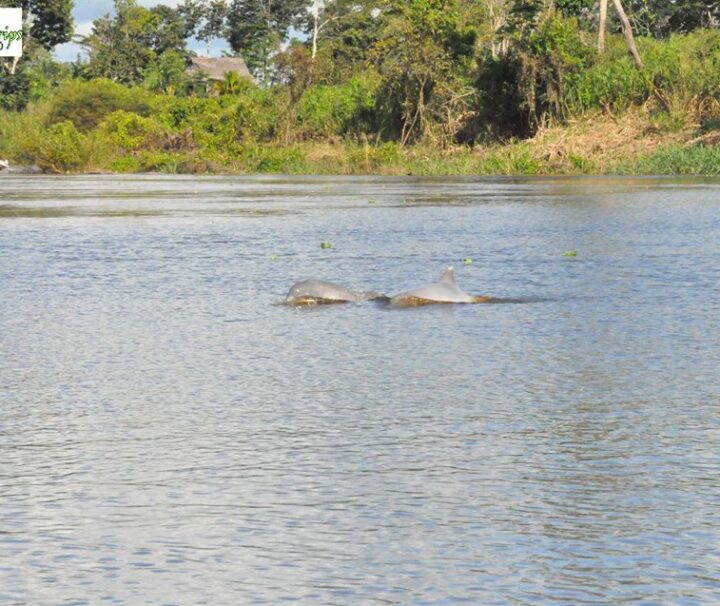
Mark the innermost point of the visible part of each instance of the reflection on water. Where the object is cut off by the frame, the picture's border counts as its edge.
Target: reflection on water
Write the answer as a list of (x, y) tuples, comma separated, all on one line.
[(169, 436)]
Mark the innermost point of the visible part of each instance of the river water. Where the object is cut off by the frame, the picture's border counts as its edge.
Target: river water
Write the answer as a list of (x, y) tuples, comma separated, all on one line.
[(170, 435)]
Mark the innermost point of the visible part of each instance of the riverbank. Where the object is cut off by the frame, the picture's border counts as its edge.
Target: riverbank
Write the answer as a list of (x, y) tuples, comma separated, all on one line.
[(640, 142), (637, 143), (609, 119)]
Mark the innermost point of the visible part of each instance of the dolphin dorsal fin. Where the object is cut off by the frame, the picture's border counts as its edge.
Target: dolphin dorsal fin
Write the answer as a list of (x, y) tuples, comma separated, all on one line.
[(449, 276)]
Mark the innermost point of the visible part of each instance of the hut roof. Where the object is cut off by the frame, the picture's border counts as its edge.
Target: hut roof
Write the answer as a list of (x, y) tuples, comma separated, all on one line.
[(216, 68)]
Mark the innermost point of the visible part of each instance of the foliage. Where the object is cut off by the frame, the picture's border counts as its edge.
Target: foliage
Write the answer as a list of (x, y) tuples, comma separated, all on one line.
[(14, 89), (255, 29), (51, 20), (124, 47), (163, 162), (125, 164), (85, 104), (369, 158), (661, 18), (575, 8), (50, 24), (208, 18), (233, 84), (347, 32), (696, 160), (327, 110), (522, 89), (258, 115), (681, 74), (423, 56), (171, 30), (271, 158), (129, 131), (393, 86), (59, 148), (167, 74), (45, 75)]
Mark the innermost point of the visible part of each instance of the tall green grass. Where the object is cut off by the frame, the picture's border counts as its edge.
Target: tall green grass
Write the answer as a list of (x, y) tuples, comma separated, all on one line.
[(681, 74), (697, 160)]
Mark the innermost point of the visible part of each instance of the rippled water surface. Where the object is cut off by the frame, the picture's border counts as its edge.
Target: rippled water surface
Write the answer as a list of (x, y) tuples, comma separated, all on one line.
[(169, 435)]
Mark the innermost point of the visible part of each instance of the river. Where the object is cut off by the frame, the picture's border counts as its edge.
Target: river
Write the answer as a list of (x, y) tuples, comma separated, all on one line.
[(171, 435)]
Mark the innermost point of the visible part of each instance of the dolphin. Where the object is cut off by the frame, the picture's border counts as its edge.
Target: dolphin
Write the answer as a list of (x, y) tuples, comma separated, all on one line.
[(317, 292), (444, 290)]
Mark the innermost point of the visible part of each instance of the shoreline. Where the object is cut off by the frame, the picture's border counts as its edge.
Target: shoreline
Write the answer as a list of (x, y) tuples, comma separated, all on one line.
[(633, 144)]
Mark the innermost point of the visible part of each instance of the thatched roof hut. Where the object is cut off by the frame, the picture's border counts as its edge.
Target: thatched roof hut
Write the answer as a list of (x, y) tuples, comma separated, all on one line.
[(217, 67)]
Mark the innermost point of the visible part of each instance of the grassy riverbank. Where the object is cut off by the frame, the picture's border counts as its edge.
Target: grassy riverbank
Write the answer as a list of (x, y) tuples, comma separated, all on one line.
[(632, 144), (610, 119)]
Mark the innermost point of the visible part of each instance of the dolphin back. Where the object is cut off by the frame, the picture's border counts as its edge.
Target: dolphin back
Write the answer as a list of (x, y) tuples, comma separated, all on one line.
[(445, 290), (319, 292)]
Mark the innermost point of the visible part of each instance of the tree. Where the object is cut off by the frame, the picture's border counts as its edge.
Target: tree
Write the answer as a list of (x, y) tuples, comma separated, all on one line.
[(345, 33), (493, 14), (628, 34), (256, 28), (424, 57), (124, 46), (120, 46), (602, 24), (52, 21), (167, 74), (521, 89), (205, 18), (692, 14), (323, 13), (48, 23), (321, 17), (660, 18), (626, 30), (171, 31), (14, 89)]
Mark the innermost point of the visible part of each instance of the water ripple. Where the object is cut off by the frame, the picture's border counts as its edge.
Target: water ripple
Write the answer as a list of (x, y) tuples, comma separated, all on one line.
[(169, 436)]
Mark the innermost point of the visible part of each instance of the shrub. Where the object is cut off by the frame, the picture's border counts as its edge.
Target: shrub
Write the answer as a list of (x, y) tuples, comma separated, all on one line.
[(86, 104), (273, 158), (16, 131), (160, 162), (210, 120), (259, 114), (125, 164), (129, 131), (58, 148), (681, 74), (518, 91), (45, 76), (233, 84), (333, 110)]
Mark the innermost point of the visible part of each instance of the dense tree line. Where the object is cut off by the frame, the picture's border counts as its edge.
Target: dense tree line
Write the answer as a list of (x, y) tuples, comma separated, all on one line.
[(448, 70)]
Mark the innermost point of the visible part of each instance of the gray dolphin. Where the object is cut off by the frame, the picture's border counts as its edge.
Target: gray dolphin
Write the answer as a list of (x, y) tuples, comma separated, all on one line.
[(444, 291), (317, 292)]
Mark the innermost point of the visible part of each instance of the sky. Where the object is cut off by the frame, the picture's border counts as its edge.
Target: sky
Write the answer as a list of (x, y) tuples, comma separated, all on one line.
[(86, 11)]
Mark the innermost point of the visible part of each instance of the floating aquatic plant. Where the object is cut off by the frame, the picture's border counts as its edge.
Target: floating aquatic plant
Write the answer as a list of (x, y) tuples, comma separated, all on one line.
[(326, 245), (570, 253), (467, 261)]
